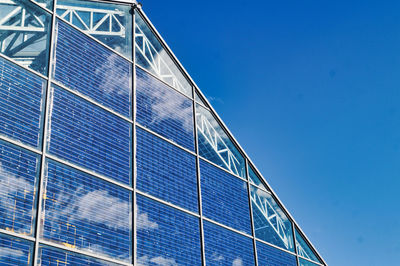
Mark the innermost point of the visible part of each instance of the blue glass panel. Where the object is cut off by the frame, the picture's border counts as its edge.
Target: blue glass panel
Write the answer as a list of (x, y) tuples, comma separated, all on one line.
[(151, 55), (224, 198), (166, 236), (49, 256), (270, 256), (84, 212), (215, 145), (86, 66), (163, 110), (270, 222), (255, 180), (89, 136), (20, 103), (15, 251), (18, 177), (304, 262), (25, 34), (225, 247), (303, 249), (166, 171)]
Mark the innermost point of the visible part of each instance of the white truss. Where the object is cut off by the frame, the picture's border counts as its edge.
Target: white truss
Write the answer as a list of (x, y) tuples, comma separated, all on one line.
[(94, 21), (301, 251), (156, 60), (271, 216), (217, 143)]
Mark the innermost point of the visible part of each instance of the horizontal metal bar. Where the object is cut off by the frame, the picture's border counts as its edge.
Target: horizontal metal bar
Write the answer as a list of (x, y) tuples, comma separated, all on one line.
[(10, 233), (20, 144), (24, 67), (223, 169), (227, 227), (274, 246)]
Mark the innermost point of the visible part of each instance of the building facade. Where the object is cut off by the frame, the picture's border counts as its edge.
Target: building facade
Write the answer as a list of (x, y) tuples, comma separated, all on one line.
[(111, 155)]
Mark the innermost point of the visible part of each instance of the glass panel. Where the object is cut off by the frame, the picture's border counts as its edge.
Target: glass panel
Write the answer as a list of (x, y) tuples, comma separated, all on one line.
[(45, 3), (198, 99), (255, 180), (225, 247), (166, 171), (304, 262), (270, 222), (270, 256), (303, 248), (84, 212), (89, 136), (163, 110), (224, 198), (215, 145), (49, 256), (84, 65), (166, 236), (21, 103), (19, 170), (151, 55), (24, 33), (15, 251), (109, 23)]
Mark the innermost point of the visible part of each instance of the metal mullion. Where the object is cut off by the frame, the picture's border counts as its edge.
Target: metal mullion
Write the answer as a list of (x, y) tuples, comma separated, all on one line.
[(94, 39), (314, 262), (11, 233), (251, 213), (45, 123), (134, 170), (295, 243), (199, 198), (275, 246), (162, 81), (227, 227)]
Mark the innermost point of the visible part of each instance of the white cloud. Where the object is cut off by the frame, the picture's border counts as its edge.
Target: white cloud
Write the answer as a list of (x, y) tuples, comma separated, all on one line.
[(10, 252), (237, 262), (143, 222), (159, 260), (216, 257)]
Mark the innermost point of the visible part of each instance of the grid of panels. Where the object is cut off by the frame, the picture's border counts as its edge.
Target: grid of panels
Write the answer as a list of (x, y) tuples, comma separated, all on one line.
[(86, 258), (15, 251)]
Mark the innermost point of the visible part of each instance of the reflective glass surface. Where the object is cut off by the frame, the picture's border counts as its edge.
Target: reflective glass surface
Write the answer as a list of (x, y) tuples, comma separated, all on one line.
[(84, 212), (225, 247), (109, 23), (19, 170), (49, 256), (303, 248), (304, 262), (224, 198), (45, 3), (255, 180), (270, 256), (24, 33), (151, 55), (89, 136), (164, 110), (84, 65), (215, 145), (21, 103), (166, 236), (166, 171), (198, 99), (15, 251), (270, 222)]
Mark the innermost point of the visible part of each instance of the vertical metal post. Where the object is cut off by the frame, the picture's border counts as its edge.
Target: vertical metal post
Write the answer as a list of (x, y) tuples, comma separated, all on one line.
[(44, 136), (294, 243), (196, 141), (253, 232), (134, 206)]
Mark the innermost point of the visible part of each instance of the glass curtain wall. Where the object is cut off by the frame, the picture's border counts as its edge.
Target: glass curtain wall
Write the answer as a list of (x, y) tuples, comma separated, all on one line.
[(109, 154)]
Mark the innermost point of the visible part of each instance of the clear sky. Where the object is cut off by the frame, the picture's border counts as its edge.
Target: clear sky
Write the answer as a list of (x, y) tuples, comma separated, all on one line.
[(311, 90)]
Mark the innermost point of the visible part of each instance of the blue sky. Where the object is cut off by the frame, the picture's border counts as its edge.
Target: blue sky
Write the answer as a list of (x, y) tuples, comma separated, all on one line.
[(311, 90)]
